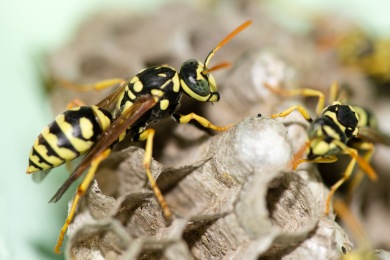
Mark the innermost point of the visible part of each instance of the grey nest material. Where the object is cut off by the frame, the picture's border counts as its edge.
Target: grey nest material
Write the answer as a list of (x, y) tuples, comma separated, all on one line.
[(237, 200)]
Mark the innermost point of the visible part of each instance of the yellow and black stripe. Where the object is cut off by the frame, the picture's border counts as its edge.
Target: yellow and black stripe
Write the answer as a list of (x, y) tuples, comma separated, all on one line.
[(71, 134), (161, 82), (336, 122)]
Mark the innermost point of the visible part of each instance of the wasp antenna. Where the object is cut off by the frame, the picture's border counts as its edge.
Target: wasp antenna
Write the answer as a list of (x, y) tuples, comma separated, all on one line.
[(221, 65), (225, 40)]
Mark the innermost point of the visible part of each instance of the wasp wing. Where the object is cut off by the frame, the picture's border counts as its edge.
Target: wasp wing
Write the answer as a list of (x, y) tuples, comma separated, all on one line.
[(142, 104), (373, 135), (109, 101), (39, 176)]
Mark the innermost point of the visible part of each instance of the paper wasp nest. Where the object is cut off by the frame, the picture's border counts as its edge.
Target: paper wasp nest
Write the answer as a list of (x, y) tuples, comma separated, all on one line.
[(233, 194), (236, 200)]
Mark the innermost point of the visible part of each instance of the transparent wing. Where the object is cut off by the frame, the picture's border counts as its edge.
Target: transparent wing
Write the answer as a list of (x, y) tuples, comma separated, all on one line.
[(109, 102), (39, 176), (373, 135)]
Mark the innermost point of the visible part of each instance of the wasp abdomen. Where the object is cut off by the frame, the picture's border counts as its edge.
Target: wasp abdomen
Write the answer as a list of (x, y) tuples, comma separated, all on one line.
[(71, 134)]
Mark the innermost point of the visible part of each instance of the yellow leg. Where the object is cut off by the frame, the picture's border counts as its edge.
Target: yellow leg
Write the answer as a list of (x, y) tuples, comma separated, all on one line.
[(351, 221), (306, 92), (320, 159), (288, 111), (80, 192), (363, 164), (184, 119), (333, 92), (337, 94), (95, 86), (148, 135), (356, 180), (345, 177)]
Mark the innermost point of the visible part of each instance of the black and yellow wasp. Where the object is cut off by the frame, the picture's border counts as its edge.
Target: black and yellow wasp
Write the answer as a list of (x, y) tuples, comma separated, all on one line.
[(338, 129), (151, 95)]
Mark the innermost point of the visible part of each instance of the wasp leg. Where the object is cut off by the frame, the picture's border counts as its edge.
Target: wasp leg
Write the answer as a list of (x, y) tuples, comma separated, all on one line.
[(346, 175), (288, 111), (184, 119), (95, 86), (306, 92), (320, 159), (351, 221), (333, 92), (80, 192), (356, 180), (336, 93), (363, 164), (148, 135)]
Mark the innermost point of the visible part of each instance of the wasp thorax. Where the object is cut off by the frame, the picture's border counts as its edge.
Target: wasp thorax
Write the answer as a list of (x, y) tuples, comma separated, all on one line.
[(197, 83)]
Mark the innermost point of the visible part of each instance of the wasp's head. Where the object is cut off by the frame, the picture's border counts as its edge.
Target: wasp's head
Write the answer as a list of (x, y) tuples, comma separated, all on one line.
[(322, 133), (197, 83)]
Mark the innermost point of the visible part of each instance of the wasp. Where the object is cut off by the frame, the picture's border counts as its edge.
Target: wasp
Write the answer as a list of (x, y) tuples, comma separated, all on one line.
[(356, 48), (338, 129), (154, 93)]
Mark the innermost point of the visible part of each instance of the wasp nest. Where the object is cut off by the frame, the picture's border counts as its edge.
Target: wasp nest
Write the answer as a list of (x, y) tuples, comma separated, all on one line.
[(237, 200), (233, 195)]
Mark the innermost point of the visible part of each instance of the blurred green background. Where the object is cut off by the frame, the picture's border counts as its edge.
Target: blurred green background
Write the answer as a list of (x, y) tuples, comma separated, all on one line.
[(28, 224)]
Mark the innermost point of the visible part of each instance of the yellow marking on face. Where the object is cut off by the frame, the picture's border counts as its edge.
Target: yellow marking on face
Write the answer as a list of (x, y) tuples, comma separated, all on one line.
[(212, 83), (80, 145), (331, 132), (164, 104), (162, 75), (214, 98), (138, 86), (319, 147), (199, 70), (157, 92)]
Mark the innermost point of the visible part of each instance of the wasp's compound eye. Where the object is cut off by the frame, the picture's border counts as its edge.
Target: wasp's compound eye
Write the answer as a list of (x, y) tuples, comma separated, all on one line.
[(196, 83)]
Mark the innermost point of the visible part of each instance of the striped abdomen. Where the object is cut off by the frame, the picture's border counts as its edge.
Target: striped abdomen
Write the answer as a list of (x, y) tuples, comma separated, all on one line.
[(71, 134)]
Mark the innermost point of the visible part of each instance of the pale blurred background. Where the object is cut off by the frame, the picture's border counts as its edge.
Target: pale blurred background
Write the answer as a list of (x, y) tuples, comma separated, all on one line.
[(28, 224)]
